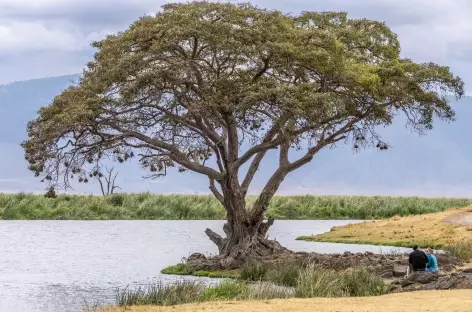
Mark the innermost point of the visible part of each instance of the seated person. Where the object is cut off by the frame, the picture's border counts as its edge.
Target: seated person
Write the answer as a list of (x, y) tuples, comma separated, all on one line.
[(432, 265), (417, 260)]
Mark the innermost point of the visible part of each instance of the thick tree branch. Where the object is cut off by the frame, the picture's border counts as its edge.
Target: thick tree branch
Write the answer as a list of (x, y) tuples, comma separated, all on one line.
[(215, 238), (215, 192), (263, 70), (263, 147), (283, 155), (252, 171), (266, 195), (233, 141)]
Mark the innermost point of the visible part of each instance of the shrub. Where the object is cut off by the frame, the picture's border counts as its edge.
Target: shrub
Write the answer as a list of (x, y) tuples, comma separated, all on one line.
[(285, 275), (253, 271), (226, 290), (361, 283), (461, 250), (116, 200), (51, 193), (317, 282), (266, 291), (161, 294)]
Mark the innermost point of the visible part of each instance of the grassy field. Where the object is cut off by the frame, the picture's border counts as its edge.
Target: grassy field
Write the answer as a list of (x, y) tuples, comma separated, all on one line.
[(424, 230), (451, 301), (193, 207)]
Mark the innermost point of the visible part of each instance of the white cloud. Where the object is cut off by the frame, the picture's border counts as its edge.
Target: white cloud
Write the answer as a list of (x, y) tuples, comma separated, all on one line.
[(31, 36), (429, 30)]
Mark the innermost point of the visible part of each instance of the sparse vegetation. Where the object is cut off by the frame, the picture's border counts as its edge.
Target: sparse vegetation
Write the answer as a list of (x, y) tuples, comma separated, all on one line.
[(161, 294), (311, 282), (147, 206), (254, 271), (461, 249), (284, 275), (316, 282), (226, 290)]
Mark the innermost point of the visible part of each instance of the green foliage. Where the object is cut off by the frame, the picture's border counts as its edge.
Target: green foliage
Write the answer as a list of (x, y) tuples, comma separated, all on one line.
[(253, 271), (284, 275), (185, 269), (226, 290), (461, 249), (361, 283), (189, 291), (317, 282), (116, 200), (178, 269), (147, 206), (311, 281), (213, 68), (160, 294), (218, 274), (51, 193)]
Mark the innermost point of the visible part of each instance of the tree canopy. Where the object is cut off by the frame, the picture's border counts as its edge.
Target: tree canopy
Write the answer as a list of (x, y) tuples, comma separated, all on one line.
[(196, 83)]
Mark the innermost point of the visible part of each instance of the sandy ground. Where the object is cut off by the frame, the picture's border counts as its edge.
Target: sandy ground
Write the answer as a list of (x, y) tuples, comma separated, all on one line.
[(450, 301), (434, 230)]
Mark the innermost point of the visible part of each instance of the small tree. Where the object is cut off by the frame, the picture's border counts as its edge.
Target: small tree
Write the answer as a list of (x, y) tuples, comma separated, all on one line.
[(211, 87), (108, 186), (51, 193)]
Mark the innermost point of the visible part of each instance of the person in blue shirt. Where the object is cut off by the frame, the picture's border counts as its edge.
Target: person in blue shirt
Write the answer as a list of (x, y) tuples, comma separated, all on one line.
[(432, 265)]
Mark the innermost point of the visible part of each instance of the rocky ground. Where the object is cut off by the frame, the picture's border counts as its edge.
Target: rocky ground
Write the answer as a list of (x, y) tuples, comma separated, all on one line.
[(387, 266), (433, 281)]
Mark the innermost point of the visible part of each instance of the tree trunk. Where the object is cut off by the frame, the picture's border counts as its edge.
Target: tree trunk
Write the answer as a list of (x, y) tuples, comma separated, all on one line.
[(244, 241), (246, 232)]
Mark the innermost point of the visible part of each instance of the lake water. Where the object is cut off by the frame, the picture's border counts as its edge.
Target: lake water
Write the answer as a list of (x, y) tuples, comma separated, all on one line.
[(58, 266)]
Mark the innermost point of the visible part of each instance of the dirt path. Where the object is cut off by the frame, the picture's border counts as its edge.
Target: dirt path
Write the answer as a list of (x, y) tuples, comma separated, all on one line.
[(460, 219), (451, 301)]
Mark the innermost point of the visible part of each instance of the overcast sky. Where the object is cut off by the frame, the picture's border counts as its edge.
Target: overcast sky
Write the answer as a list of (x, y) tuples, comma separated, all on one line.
[(40, 38)]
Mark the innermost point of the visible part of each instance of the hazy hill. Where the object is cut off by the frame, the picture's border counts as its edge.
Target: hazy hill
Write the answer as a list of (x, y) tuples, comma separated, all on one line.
[(438, 164)]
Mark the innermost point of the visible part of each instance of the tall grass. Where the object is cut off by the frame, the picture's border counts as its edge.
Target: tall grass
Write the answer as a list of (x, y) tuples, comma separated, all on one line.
[(311, 281), (193, 207), (189, 292), (253, 271), (161, 294), (461, 250), (284, 275), (316, 282)]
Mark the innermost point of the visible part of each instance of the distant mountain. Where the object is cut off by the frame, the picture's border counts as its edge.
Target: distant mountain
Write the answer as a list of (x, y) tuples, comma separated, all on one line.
[(438, 164), (19, 102)]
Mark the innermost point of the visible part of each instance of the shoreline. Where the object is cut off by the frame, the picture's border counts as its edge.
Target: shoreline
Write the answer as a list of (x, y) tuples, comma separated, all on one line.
[(449, 230)]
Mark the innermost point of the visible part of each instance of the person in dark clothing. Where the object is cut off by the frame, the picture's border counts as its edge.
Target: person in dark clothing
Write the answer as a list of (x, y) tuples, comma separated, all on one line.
[(417, 260)]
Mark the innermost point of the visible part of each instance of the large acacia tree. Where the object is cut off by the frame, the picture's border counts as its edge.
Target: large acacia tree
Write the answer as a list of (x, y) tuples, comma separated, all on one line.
[(211, 88)]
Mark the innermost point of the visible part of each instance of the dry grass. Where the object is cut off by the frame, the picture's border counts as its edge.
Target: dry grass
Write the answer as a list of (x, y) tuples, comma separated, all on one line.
[(424, 230), (451, 301)]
